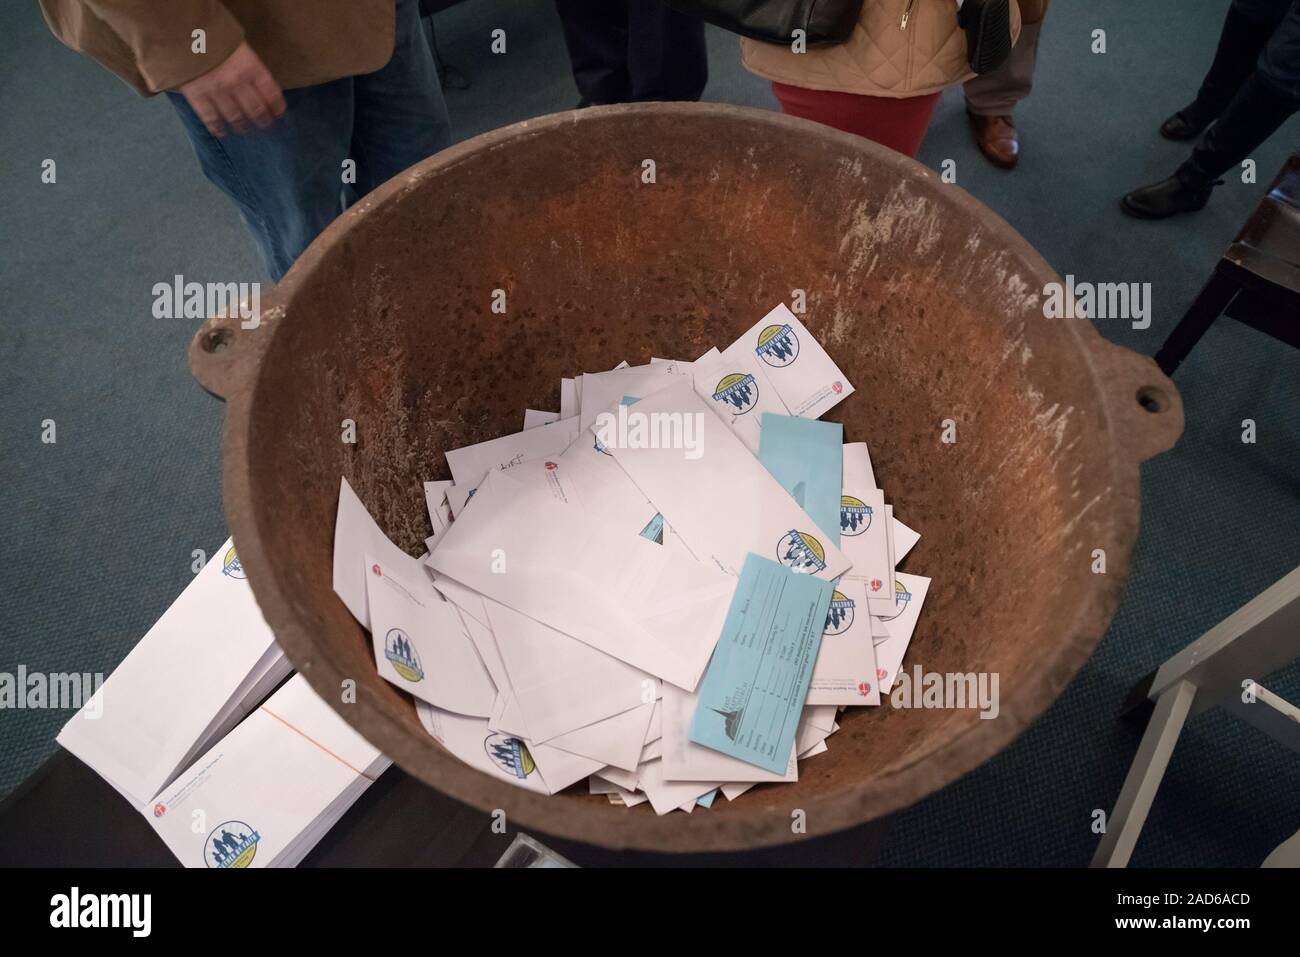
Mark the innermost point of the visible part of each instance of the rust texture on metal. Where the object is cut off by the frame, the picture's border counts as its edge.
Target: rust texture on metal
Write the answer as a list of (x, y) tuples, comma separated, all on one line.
[(929, 302)]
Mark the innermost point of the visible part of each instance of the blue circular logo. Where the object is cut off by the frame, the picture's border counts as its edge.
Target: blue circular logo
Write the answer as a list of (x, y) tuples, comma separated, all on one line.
[(402, 654), (739, 393), (778, 345), (232, 844), (839, 616)]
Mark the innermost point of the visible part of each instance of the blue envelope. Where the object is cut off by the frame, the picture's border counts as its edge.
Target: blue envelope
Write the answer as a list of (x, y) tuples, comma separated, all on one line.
[(807, 457), (754, 688)]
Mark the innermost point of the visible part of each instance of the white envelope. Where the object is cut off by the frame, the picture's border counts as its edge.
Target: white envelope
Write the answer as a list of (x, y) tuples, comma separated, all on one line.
[(612, 589), (470, 464), (624, 780), (435, 499), (857, 466), (568, 399), (819, 716), (684, 760), (679, 365), (458, 497), (560, 683), (422, 647), (265, 785), (845, 672), (560, 768), (736, 387), (613, 741), (603, 391), (500, 756), (466, 600), (910, 592), (535, 417), (724, 504), (196, 673), (604, 489), (665, 795), (904, 537), (864, 537), (506, 718), (807, 379), (355, 535)]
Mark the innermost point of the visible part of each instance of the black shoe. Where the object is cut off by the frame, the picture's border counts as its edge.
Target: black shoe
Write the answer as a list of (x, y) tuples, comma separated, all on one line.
[(1169, 197), (1186, 124), (988, 33)]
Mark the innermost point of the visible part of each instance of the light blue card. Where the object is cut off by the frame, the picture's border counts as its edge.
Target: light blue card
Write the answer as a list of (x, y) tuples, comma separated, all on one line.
[(754, 688), (707, 799), (807, 457)]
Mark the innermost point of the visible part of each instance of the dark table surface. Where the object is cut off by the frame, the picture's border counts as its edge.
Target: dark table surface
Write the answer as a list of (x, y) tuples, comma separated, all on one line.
[(65, 815)]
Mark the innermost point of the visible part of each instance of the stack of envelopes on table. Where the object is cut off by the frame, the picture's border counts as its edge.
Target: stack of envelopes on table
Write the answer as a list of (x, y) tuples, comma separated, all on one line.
[(185, 731), (668, 588)]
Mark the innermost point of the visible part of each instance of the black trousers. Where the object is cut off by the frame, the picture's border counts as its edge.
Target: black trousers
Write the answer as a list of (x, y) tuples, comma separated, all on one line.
[(627, 51), (1252, 87)]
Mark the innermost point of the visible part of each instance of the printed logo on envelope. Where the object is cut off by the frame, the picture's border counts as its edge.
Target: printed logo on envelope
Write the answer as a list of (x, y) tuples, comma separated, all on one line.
[(509, 754), (901, 598), (778, 345), (855, 515), (801, 552), (405, 660), (739, 392), (839, 617), (233, 844), (230, 564)]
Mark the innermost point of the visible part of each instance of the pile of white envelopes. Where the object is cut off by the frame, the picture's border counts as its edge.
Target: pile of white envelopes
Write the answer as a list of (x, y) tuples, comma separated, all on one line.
[(669, 587)]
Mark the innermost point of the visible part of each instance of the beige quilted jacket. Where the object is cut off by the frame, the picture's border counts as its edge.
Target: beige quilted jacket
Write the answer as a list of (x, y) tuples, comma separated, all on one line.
[(899, 48)]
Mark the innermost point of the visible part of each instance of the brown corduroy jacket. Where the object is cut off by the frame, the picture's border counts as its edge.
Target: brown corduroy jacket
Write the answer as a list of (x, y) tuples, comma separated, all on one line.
[(151, 44)]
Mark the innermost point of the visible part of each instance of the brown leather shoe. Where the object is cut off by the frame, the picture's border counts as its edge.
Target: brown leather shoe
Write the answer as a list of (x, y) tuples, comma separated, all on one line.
[(997, 138)]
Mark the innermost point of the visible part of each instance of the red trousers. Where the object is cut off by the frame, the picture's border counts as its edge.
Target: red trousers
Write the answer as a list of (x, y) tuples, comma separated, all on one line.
[(898, 123)]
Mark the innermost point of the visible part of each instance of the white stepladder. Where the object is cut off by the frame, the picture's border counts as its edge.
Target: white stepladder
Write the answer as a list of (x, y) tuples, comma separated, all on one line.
[(1219, 668)]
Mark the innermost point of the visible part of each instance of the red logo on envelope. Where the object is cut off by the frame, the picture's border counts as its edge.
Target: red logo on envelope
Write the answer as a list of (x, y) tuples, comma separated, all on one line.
[(837, 387), (551, 466), (378, 573), (875, 584), (159, 810), (880, 674), (864, 689)]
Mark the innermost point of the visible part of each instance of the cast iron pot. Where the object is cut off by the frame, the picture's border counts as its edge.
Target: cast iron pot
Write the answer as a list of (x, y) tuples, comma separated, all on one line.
[(930, 303)]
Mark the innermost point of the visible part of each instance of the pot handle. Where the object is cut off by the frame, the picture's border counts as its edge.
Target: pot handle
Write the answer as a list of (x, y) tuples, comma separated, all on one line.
[(1145, 406), (225, 349)]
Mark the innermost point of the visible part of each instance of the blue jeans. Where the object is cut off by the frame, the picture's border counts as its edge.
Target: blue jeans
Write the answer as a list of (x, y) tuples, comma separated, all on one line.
[(288, 180)]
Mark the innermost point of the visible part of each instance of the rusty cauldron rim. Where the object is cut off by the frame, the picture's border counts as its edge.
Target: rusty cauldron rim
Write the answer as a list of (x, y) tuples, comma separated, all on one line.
[(227, 363)]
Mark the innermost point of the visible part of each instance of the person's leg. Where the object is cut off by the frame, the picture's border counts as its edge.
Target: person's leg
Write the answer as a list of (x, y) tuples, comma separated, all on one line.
[(991, 99), (285, 180), (899, 123), (1268, 98), (401, 117), (596, 34), (1246, 30), (1279, 62), (667, 57)]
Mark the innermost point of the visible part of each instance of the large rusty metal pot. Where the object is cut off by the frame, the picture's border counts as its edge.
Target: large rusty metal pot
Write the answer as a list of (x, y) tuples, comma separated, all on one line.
[(929, 302)]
